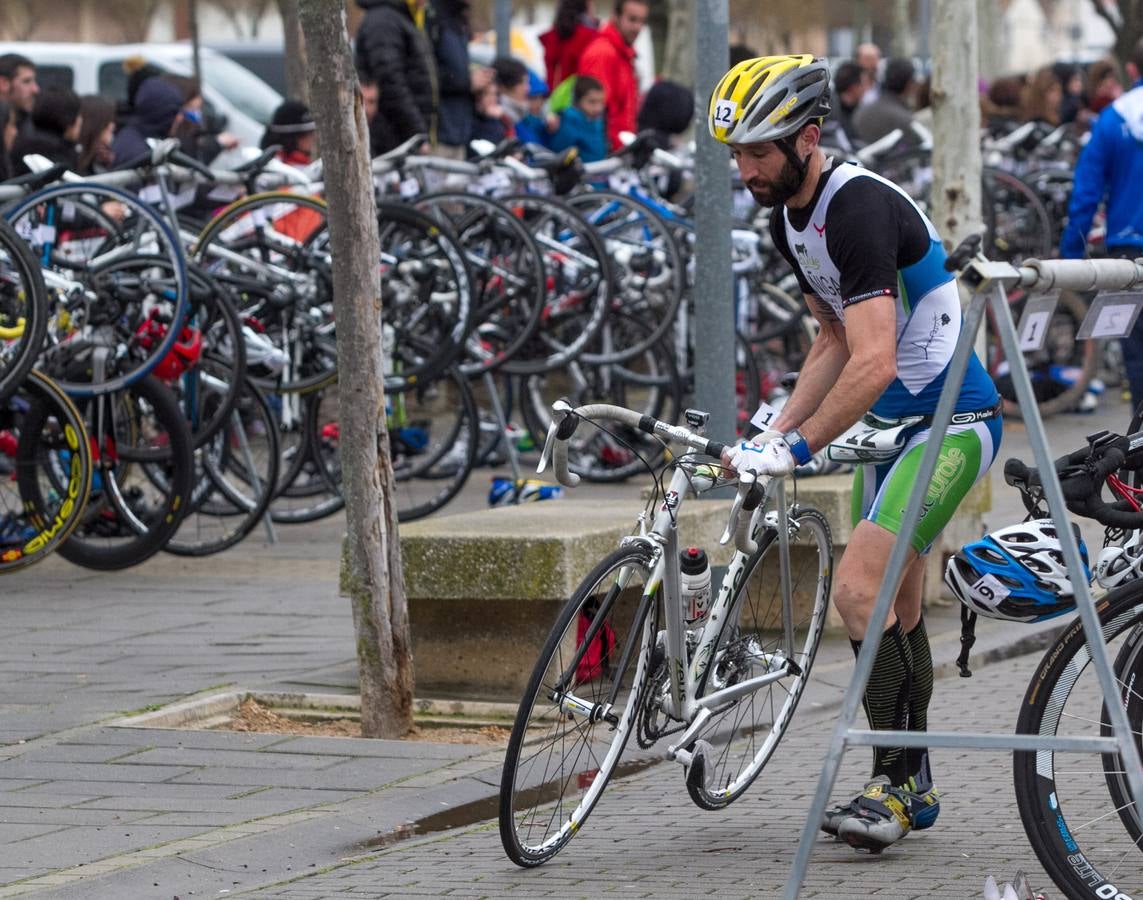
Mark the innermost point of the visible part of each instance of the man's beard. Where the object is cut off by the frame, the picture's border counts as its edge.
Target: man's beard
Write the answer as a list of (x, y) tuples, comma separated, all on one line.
[(781, 189)]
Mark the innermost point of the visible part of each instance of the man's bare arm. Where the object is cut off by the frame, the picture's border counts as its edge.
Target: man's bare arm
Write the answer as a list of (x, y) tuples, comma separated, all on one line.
[(871, 335), (824, 363)]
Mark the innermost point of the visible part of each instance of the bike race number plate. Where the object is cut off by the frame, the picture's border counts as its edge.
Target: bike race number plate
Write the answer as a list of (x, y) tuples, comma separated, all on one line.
[(1112, 315)]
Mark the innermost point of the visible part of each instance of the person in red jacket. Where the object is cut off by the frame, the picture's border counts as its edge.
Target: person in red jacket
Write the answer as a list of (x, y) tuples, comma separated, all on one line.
[(575, 27), (610, 59)]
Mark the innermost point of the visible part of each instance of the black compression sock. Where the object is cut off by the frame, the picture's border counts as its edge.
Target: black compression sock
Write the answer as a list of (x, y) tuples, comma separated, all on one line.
[(920, 693), (886, 700)]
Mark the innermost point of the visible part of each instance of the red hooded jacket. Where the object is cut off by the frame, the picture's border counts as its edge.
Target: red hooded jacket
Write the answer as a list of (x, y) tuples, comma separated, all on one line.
[(611, 60), (561, 57)]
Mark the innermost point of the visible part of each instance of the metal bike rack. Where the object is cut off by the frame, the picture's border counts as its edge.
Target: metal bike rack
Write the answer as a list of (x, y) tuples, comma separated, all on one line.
[(989, 282)]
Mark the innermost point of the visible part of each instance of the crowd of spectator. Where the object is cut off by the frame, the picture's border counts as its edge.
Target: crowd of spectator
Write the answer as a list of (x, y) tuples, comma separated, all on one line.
[(417, 78), (413, 59), (872, 97), (92, 134)]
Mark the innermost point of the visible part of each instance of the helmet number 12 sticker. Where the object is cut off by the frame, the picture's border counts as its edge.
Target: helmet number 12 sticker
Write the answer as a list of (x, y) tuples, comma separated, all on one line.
[(989, 591), (724, 111)]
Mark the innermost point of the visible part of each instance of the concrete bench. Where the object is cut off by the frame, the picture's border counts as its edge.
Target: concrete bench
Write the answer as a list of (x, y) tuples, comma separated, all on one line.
[(484, 587)]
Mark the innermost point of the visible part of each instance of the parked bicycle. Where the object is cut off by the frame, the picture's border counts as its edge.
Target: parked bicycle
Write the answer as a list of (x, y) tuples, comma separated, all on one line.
[(628, 656)]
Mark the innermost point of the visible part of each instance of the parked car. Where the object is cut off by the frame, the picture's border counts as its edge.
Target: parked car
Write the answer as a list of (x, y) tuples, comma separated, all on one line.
[(267, 61), (234, 97)]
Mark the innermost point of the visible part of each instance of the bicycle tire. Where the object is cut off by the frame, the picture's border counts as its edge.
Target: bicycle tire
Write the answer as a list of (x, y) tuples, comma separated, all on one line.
[(648, 284), (1128, 672), (271, 250), (23, 310), (235, 485), (1062, 806), (428, 321), (578, 278), (117, 302), (648, 383), (52, 466), (734, 758), (144, 485), (507, 269), (1019, 225), (592, 647)]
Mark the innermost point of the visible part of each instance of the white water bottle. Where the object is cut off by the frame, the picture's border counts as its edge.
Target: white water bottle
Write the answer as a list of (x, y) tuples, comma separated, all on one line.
[(694, 583)]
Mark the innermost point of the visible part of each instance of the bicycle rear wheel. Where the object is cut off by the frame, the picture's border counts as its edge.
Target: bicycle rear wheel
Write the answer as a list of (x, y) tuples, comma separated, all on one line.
[(578, 710), (1087, 841), (46, 460), (144, 474), (746, 730), (23, 310)]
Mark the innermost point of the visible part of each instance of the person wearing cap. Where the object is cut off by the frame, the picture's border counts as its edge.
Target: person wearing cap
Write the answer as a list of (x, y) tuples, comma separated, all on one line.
[(293, 130), (871, 267)]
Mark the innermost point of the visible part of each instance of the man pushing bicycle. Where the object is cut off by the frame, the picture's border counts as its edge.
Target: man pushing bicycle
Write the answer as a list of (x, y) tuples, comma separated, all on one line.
[(871, 267)]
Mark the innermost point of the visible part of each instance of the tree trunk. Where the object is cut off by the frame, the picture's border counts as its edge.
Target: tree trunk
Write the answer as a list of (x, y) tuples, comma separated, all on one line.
[(679, 52), (295, 51), (956, 196), (990, 34), (371, 574)]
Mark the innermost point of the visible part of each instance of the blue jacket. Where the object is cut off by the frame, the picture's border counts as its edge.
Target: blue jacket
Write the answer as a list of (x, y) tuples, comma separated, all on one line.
[(1110, 167), (576, 130), (532, 130)]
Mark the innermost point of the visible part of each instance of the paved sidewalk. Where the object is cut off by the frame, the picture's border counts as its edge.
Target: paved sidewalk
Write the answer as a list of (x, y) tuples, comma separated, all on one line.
[(88, 810)]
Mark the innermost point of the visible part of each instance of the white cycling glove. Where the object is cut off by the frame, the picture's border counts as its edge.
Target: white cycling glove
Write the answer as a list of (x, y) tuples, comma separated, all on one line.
[(772, 457)]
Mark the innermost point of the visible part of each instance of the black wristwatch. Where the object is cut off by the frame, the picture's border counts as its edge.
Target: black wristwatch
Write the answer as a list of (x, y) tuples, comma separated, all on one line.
[(798, 446)]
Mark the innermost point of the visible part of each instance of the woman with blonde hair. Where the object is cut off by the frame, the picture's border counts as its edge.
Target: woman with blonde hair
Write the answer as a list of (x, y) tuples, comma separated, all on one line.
[(1041, 98)]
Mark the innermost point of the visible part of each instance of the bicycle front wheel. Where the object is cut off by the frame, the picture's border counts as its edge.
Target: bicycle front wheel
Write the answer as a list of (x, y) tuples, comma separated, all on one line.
[(579, 709), (1087, 841), (746, 730)]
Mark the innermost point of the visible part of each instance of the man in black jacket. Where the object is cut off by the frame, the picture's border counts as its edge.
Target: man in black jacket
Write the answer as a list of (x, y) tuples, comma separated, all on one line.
[(393, 50)]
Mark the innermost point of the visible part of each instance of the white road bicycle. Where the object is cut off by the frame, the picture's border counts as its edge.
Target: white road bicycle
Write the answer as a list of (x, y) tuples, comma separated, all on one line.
[(715, 695)]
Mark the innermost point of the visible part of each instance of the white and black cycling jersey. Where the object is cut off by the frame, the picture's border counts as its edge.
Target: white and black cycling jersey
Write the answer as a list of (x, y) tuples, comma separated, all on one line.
[(862, 237)]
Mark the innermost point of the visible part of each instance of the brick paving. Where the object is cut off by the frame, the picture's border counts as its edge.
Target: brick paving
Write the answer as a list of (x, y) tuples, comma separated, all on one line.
[(88, 810)]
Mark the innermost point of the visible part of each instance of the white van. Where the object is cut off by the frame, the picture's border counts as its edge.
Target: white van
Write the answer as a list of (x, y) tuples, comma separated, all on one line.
[(239, 98)]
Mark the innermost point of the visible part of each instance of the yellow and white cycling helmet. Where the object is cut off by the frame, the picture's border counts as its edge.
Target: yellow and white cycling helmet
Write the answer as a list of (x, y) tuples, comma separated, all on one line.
[(769, 98)]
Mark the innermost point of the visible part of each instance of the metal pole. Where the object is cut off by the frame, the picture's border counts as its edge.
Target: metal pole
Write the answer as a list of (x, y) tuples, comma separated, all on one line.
[(954, 378), (503, 26), (1053, 493), (196, 54), (713, 289), (923, 24)]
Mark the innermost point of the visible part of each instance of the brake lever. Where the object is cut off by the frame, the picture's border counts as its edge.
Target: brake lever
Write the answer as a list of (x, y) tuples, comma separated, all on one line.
[(546, 453)]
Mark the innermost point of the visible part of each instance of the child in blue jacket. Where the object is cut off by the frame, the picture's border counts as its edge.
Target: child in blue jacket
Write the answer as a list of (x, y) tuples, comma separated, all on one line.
[(581, 124)]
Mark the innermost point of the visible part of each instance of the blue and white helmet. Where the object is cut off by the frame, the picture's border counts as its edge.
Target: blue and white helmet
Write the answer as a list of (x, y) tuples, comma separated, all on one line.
[(1016, 573)]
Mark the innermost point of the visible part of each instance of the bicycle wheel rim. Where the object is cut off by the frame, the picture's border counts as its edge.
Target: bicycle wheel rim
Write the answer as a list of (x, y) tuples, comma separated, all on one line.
[(52, 465), (534, 779), (151, 241), (1074, 827), (23, 310), (750, 632)]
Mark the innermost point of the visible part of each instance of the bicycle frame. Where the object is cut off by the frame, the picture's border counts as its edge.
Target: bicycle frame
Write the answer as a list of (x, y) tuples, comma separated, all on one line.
[(685, 676)]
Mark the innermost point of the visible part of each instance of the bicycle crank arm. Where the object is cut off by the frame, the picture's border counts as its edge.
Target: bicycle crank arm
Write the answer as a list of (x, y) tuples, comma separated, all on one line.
[(678, 752)]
